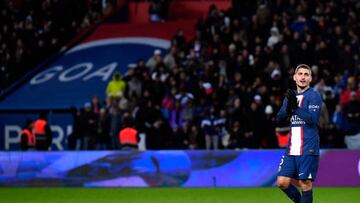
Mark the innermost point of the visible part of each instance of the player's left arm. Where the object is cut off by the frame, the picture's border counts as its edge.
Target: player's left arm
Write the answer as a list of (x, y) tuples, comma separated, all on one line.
[(311, 114)]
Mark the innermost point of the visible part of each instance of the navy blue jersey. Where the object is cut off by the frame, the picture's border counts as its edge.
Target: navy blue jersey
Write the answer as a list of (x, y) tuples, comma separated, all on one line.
[(304, 136)]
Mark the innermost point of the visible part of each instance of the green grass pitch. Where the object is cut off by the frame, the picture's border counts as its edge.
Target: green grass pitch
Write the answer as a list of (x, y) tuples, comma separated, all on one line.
[(170, 195)]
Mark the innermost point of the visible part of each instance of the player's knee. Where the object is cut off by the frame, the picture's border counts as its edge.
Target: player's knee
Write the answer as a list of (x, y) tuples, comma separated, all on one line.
[(282, 184), (305, 185)]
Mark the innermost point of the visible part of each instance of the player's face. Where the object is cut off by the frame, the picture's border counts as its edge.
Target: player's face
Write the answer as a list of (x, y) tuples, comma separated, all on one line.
[(302, 78)]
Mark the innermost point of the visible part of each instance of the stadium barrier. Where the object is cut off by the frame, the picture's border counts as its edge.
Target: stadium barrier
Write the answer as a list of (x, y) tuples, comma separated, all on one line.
[(172, 168)]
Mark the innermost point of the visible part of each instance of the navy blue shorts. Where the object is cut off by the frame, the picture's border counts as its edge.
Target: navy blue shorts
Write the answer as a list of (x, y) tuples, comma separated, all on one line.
[(299, 167)]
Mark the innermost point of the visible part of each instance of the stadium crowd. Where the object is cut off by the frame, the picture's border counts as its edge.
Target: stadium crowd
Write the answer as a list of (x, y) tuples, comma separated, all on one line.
[(32, 31), (223, 88)]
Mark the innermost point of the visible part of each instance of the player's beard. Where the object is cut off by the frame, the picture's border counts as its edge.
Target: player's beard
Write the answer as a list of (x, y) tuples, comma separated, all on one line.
[(302, 85)]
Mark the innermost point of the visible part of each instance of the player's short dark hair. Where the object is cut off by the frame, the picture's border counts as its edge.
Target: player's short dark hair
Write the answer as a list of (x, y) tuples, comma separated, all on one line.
[(303, 66)]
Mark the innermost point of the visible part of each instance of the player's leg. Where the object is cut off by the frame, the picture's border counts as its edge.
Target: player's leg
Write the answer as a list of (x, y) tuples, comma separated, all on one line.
[(295, 182), (308, 166), (208, 142), (285, 173), (307, 193), (283, 182), (215, 141)]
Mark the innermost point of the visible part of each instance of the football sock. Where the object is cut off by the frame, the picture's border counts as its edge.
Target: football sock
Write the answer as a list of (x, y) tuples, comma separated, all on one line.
[(307, 197), (293, 193)]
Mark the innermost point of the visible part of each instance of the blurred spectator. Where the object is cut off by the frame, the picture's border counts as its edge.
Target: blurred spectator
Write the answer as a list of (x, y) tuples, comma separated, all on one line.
[(269, 139), (147, 121), (184, 97), (42, 133), (116, 87), (339, 119), (95, 105), (179, 138), (208, 127), (90, 127), (324, 125), (154, 61), (128, 136), (346, 96), (274, 37), (352, 112), (221, 125), (330, 102), (188, 112), (103, 131), (134, 85), (115, 126), (162, 132), (75, 139), (253, 132), (176, 115), (170, 58), (194, 136), (158, 10), (237, 135), (27, 138), (168, 103), (322, 88), (301, 24)]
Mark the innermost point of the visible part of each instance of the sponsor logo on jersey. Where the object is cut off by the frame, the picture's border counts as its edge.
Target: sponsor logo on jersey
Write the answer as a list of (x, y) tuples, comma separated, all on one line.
[(312, 106), (296, 120)]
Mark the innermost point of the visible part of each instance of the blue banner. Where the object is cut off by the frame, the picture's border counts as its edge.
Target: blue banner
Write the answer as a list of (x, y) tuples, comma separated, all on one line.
[(140, 169), (81, 73), (170, 168)]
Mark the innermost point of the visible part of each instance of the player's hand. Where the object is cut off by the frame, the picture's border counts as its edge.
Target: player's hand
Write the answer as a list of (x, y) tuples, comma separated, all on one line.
[(292, 102)]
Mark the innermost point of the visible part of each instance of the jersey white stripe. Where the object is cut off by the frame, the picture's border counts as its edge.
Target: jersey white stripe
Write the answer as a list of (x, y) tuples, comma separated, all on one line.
[(300, 99), (296, 141)]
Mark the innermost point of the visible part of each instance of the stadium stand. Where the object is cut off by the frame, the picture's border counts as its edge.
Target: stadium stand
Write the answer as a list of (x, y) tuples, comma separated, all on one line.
[(33, 31)]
